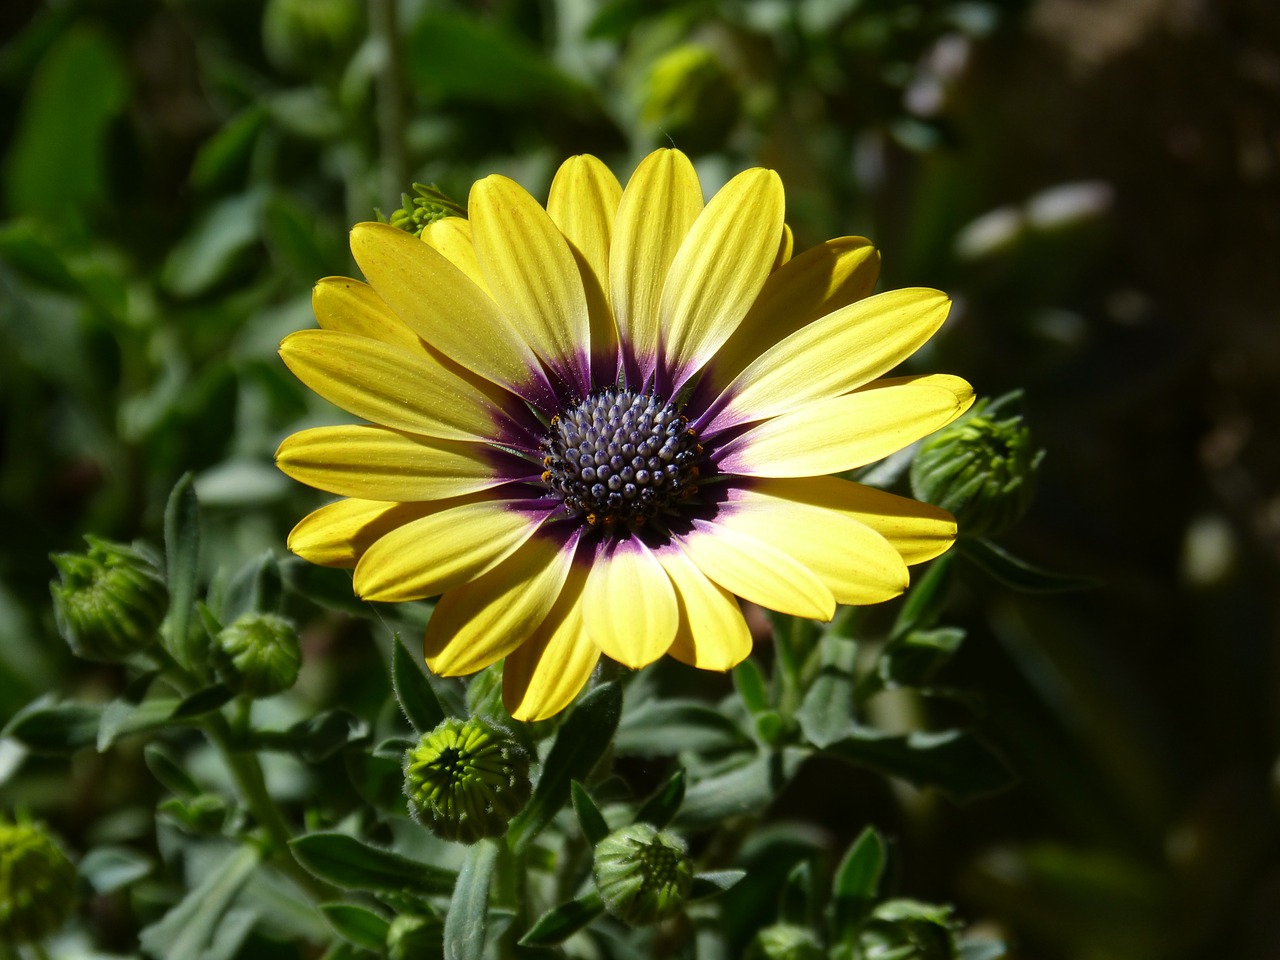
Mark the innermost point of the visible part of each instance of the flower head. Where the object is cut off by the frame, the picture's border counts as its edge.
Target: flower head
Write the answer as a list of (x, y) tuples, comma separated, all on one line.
[(258, 655), (644, 875), (593, 427), (109, 602), (37, 883)]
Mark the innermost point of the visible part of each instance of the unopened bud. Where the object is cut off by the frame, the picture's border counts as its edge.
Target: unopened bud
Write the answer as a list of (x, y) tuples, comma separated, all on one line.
[(258, 655), (37, 883), (644, 875), (466, 779), (110, 601)]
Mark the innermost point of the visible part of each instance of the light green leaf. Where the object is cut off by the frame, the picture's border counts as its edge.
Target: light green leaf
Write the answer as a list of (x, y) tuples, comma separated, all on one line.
[(44, 726), (745, 789), (352, 864), (215, 245), (827, 710), (189, 926), (357, 924), (182, 555), (856, 881), (468, 917), (662, 727), (110, 868)]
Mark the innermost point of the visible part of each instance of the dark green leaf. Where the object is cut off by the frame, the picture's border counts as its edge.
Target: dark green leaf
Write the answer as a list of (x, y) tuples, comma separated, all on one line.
[(120, 718), (925, 598), (352, 864), (743, 790), (1018, 574), (315, 738), (913, 660), (296, 239), (228, 150), (954, 761), (256, 588), (594, 827), (827, 711), (357, 924), (660, 809), (205, 813), (468, 917), (559, 924), (47, 727), (712, 884), (752, 686), (168, 771), (327, 586), (580, 743), (795, 903), (189, 927), (663, 727), (182, 553), (418, 701), (856, 882), (202, 702), (219, 242), (110, 868)]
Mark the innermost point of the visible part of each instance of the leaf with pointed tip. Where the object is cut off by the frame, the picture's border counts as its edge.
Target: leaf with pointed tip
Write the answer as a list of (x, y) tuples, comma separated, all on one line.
[(357, 924), (1016, 573), (659, 728), (418, 701), (592, 822), (468, 918), (189, 927), (661, 808), (713, 883), (955, 761), (560, 923), (827, 711), (751, 685), (44, 726), (182, 554), (352, 864), (169, 772), (856, 881), (745, 789)]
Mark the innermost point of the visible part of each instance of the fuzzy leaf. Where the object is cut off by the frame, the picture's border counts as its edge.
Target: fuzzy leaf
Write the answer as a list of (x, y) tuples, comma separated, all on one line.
[(352, 864), (357, 924), (418, 701), (592, 822), (954, 761), (559, 924), (468, 918)]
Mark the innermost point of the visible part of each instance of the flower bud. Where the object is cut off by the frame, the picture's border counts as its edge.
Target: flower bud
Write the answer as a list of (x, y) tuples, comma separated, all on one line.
[(258, 655), (981, 468), (430, 204), (786, 941), (412, 936), (466, 779), (110, 602), (909, 930), (690, 96), (643, 875), (37, 883)]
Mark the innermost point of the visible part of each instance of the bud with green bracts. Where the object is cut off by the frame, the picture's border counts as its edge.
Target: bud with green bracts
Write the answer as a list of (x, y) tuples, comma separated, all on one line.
[(466, 779), (258, 655), (643, 875), (430, 204), (110, 601), (37, 883), (982, 468)]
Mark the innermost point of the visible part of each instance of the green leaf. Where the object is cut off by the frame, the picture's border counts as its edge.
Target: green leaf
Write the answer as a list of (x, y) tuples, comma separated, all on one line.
[(218, 243), (169, 772), (954, 761), (745, 789), (229, 149), (560, 923), (357, 924), (594, 827), (205, 813), (296, 239), (580, 742), (663, 727), (752, 686), (256, 588), (856, 882), (120, 718), (468, 917), (352, 864), (315, 738), (111, 868), (44, 726), (1018, 574), (189, 926), (925, 598), (981, 950), (660, 809), (795, 903), (418, 701), (182, 554), (913, 660), (202, 702), (827, 711), (713, 883)]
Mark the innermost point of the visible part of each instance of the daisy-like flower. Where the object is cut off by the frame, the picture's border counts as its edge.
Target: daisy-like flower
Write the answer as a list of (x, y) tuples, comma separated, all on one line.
[(593, 427)]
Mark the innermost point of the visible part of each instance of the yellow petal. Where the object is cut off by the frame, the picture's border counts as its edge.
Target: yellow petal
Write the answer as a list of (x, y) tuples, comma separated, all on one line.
[(713, 634), (756, 571), (441, 305), (836, 354), (532, 275), (543, 675), (451, 237), (349, 306), (583, 202), (483, 621), (818, 282), (918, 531), (629, 604), (389, 386), (374, 463), (661, 202), (339, 533), (447, 547), (841, 433), (718, 271), (785, 247), (855, 562)]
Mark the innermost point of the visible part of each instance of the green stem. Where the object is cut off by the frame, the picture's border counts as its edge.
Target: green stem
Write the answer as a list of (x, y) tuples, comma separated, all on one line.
[(385, 25)]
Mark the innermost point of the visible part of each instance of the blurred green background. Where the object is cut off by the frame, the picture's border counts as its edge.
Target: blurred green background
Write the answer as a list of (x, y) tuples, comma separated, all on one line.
[(1096, 182)]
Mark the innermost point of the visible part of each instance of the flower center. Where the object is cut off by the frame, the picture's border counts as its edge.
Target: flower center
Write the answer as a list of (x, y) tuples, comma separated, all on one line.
[(621, 459)]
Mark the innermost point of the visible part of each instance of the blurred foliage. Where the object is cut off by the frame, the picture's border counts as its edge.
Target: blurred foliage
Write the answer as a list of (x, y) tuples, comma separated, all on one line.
[(1098, 185)]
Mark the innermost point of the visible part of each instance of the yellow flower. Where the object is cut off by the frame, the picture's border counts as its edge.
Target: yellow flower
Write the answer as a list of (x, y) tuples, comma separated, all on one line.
[(593, 427)]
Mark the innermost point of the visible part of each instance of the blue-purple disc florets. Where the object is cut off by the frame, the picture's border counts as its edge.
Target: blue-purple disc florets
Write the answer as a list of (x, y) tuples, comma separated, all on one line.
[(621, 459)]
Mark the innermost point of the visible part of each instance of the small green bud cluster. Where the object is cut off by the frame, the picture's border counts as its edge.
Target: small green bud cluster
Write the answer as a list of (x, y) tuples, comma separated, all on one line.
[(110, 601), (37, 883), (643, 875), (982, 468), (258, 655), (430, 204), (466, 779)]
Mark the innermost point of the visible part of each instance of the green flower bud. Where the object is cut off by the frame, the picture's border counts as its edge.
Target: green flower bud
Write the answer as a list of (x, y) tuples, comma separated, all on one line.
[(909, 930), (258, 655), (981, 468), (430, 204), (37, 883), (412, 936), (110, 602), (786, 941), (643, 875), (690, 96), (465, 780)]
